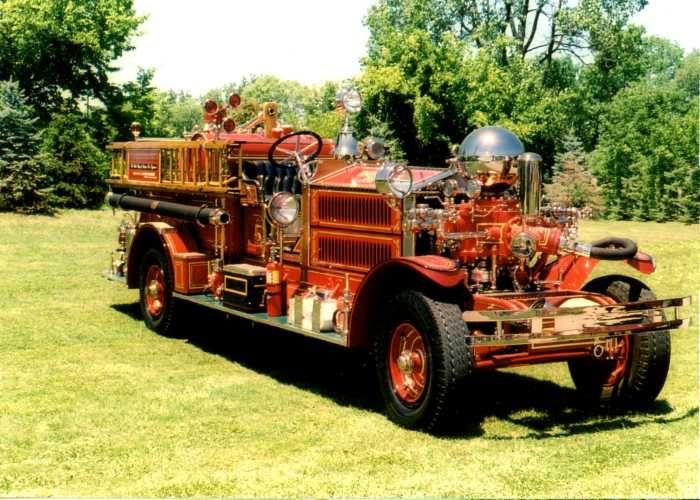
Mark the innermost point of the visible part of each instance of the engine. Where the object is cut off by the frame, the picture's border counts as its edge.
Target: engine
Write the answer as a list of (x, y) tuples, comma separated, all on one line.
[(485, 211)]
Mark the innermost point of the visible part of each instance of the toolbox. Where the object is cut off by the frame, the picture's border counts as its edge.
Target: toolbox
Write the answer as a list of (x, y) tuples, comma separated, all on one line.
[(191, 272), (244, 287)]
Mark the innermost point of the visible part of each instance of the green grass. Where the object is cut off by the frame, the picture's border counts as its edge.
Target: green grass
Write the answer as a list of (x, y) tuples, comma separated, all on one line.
[(93, 403)]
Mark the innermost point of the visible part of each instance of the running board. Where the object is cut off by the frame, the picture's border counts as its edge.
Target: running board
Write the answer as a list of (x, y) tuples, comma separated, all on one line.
[(577, 324), (263, 318)]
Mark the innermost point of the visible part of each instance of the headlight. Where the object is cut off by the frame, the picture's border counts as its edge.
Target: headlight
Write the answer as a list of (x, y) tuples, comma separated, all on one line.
[(283, 208), (394, 179)]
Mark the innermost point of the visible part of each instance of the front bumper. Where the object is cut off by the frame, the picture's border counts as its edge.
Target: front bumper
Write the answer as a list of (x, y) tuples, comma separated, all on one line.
[(565, 325)]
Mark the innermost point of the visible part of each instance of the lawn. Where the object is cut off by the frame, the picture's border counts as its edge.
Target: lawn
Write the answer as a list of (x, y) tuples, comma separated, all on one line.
[(93, 403)]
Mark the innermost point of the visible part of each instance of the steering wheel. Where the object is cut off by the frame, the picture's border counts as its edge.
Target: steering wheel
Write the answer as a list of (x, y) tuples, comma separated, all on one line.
[(296, 151)]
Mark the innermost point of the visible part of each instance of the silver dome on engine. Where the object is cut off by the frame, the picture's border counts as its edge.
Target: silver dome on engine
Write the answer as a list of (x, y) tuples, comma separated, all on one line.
[(490, 144)]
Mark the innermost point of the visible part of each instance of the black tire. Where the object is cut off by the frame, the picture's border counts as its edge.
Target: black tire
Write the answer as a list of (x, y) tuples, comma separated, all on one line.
[(449, 360), (163, 322), (648, 361)]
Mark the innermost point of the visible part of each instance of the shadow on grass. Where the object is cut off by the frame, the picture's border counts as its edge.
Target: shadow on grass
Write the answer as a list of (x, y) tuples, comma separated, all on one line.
[(133, 310), (545, 409)]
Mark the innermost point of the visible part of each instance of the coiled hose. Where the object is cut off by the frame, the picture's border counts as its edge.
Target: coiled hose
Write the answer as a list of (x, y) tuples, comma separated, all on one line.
[(612, 248)]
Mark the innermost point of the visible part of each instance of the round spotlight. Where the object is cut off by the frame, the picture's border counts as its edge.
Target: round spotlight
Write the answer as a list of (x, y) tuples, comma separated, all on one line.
[(352, 101)]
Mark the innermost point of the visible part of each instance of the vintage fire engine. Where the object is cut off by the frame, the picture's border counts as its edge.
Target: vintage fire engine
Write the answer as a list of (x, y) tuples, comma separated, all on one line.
[(438, 271)]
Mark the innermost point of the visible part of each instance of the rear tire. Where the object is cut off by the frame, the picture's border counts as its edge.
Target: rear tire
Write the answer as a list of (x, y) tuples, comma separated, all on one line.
[(421, 357), (647, 356), (158, 306)]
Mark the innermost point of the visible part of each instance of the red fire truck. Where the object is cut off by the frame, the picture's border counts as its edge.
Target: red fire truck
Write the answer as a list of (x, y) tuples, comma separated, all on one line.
[(439, 271)]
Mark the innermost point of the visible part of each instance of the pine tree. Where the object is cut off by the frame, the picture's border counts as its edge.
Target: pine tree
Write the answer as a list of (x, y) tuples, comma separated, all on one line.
[(22, 177), (573, 184)]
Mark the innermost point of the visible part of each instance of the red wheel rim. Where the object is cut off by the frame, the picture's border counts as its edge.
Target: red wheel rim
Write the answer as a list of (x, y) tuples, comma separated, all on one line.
[(408, 363), (155, 290), (619, 353)]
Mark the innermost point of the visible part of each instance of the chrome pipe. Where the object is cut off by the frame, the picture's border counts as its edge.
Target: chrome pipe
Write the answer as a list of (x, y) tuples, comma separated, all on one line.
[(530, 183)]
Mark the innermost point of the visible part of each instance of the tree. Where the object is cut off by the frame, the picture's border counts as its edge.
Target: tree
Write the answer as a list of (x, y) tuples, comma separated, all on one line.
[(509, 28), (60, 51), (22, 177), (646, 158), (622, 58), (175, 113), (77, 168), (573, 184), (432, 94), (131, 102), (301, 106)]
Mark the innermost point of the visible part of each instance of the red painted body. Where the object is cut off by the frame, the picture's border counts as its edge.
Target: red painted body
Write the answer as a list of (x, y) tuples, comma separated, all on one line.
[(351, 241)]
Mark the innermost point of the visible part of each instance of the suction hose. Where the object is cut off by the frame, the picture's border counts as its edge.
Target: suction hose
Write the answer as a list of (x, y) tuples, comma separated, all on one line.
[(202, 215), (612, 248)]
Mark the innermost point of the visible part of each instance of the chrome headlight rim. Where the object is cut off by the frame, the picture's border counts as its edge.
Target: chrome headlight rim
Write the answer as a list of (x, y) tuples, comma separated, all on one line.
[(283, 208), (394, 179)]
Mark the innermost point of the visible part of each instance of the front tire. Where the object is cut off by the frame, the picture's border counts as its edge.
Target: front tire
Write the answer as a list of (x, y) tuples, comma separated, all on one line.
[(637, 375), (421, 357), (158, 306)]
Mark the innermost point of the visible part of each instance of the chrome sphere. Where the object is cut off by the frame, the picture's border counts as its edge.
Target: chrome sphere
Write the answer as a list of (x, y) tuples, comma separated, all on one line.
[(489, 144)]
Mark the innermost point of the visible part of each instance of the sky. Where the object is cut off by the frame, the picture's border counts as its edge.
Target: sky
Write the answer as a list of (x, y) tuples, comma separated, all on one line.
[(197, 46)]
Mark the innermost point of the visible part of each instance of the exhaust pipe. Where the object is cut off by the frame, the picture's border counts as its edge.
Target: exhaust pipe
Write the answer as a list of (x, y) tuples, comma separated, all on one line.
[(201, 215), (529, 183)]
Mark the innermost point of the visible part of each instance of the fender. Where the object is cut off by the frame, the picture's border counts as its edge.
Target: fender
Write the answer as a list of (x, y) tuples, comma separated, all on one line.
[(172, 240), (642, 262), (572, 271), (434, 275)]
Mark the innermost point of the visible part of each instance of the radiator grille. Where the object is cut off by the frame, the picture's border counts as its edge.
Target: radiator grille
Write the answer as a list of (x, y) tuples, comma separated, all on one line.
[(353, 210), (356, 252)]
